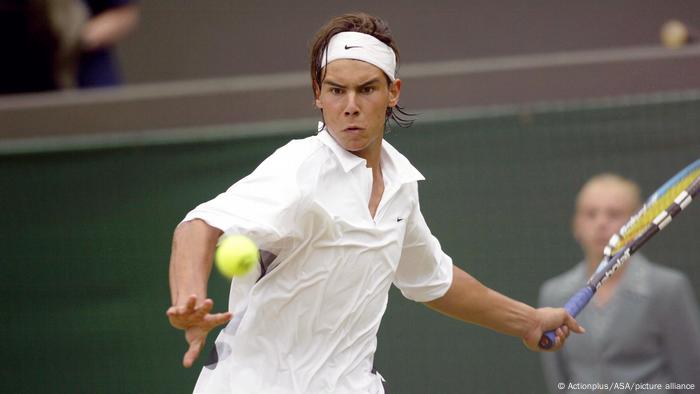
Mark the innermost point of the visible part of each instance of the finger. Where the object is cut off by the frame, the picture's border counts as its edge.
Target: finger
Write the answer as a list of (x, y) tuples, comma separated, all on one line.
[(191, 302), (192, 353), (220, 318), (177, 312), (186, 309), (560, 336), (560, 342), (573, 325), (171, 311), (205, 308), (557, 344), (181, 316)]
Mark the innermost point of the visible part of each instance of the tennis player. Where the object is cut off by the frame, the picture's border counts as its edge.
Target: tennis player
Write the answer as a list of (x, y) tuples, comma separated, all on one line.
[(338, 221)]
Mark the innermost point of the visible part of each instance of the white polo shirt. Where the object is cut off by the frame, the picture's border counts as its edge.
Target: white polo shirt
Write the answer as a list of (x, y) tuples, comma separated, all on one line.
[(310, 323)]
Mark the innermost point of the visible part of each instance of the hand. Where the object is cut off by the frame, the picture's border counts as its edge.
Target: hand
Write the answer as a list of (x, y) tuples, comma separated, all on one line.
[(550, 319), (197, 322), (109, 27)]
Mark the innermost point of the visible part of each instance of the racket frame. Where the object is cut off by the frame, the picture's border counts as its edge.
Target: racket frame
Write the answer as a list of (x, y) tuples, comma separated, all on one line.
[(609, 265)]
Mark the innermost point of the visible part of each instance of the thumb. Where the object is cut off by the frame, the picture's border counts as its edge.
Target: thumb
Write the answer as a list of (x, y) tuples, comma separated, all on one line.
[(192, 353), (573, 325)]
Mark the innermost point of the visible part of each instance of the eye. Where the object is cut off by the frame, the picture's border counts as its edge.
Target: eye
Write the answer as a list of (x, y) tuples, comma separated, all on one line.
[(368, 89), (616, 215), (335, 90)]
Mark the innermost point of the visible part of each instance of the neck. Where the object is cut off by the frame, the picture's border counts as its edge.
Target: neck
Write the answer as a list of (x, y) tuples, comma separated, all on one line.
[(377, 189), (594, 261), (372, 155), (605, 293)]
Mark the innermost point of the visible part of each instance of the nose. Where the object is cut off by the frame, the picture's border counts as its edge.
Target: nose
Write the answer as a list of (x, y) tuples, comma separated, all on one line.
[(606, 225), (351, 107), (601, 221)]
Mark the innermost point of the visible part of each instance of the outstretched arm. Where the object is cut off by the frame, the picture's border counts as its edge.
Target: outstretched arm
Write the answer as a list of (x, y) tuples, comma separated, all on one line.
[(109, 27), (190, 265), (470, 301)]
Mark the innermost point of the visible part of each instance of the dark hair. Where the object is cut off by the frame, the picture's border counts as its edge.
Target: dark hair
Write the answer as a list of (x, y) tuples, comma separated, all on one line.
[(362, 23)]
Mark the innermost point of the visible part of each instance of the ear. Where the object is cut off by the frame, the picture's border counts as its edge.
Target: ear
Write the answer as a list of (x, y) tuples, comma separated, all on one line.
[(317, 95), (574, 227), (394, 93)]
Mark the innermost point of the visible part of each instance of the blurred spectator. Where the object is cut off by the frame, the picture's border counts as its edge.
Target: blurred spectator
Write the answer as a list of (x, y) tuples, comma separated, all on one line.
[(27, 46), (110, 21), (643, 324), (55, 44)]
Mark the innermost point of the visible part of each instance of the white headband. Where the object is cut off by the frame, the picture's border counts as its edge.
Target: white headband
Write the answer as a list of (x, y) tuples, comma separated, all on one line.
[(360, 46)]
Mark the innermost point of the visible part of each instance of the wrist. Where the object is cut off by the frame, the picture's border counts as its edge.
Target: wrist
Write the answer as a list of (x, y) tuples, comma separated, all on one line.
[(532, 330)]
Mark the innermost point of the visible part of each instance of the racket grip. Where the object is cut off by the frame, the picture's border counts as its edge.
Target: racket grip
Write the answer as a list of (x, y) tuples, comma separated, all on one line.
[(573, 306)]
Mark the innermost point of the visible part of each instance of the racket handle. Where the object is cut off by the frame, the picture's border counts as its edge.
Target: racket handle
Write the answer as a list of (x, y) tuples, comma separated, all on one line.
[(573, 306)]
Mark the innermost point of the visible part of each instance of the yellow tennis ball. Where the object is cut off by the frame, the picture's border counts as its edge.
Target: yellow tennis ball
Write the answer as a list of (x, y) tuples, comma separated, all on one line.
[(236, 255), (674, 34)]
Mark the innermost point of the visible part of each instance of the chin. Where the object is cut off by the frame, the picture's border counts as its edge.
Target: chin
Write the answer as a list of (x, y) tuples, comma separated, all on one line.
[(353, 144), (354, 149)]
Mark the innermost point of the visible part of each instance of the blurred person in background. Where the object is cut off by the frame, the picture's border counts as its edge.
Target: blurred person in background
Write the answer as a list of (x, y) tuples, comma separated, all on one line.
[(643, 322), (110, 21), (57, 44)]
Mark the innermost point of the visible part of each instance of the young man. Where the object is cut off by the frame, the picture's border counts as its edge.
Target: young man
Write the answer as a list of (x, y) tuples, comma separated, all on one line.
[(338, 220), (644, 325)]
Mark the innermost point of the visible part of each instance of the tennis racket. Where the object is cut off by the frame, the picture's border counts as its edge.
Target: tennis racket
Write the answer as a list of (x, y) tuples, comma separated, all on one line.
[(657, 212)]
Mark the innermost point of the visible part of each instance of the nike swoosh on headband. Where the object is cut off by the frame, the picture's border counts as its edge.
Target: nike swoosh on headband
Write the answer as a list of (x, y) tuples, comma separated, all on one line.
[(365, 47)]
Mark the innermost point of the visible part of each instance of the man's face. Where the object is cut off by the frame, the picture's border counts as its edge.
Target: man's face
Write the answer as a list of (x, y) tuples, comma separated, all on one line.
[(354, 97), (602, 208)]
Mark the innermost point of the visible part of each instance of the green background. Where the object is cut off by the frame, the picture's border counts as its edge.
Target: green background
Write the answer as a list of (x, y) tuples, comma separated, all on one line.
[(86, 237)]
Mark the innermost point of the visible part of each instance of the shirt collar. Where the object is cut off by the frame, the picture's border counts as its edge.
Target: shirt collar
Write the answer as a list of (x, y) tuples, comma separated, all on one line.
[(394, 164), (347, 160), (398, 165)]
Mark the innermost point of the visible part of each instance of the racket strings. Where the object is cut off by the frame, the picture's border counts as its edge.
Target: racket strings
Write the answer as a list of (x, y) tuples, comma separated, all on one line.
[(645, 217)]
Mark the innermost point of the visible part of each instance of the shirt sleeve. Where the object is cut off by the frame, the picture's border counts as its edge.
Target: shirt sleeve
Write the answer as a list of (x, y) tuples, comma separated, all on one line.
[(263, 206), (424, 272)]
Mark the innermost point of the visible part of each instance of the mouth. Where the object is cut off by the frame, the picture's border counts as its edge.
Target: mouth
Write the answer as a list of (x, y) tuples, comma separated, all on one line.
[(353, 129), (602, 240)]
